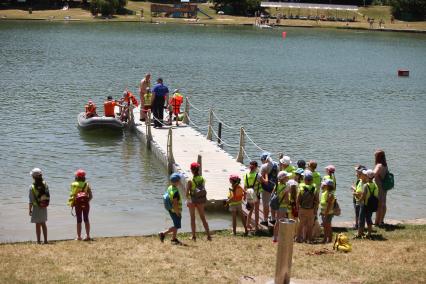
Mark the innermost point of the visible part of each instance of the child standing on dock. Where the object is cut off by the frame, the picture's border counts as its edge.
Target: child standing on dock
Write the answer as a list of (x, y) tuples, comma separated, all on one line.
[(253, 189), (38, 201), (193, 202), (176, 209), (235, 200), (80, 197)]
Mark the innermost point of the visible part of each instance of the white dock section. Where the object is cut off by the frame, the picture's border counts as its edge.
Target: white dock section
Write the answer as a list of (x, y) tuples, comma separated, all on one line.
[(187, 144)]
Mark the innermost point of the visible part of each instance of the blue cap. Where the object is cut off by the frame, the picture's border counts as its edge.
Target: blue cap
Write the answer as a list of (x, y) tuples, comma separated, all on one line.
[(175, 177), (299, 171), (264, 156)]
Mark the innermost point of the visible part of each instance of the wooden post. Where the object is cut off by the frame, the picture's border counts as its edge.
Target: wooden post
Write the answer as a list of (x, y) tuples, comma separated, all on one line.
[(285, 250), (219, 134), (210, 130), (200, 161), (148, 129), (170, 158), (186, 112), (240, 156)]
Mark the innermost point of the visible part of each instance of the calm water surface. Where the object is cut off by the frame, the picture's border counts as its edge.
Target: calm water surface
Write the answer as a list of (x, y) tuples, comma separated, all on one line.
[(319, 94)]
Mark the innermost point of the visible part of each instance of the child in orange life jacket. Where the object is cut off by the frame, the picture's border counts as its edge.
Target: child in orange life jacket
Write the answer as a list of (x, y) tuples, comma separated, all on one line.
[(235, 199), (90, 109), (174, 103), (80, 197), (38, 201)]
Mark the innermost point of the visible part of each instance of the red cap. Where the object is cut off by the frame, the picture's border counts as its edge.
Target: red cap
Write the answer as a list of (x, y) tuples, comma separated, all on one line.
[(195, 165), (234, 178), (80, 173)]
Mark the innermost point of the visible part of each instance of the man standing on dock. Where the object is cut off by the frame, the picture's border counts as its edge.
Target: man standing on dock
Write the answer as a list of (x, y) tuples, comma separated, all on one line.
[(144, 85), (160, 95)]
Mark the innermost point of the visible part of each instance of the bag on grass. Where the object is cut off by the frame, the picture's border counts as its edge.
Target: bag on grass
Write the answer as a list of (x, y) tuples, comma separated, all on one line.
[(341, 243)]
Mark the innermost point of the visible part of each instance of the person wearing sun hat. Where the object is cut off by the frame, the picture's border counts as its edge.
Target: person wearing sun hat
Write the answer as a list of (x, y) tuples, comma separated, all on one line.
[(197, 181), (369, 189), (307, 202), (357, 192), (285, 165), (176, 210), (282, 192), (327, 203), (39, 198), (330, 170), (253, 189)]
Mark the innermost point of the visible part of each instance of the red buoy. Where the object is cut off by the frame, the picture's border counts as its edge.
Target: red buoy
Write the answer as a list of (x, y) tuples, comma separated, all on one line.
[(403, 73)]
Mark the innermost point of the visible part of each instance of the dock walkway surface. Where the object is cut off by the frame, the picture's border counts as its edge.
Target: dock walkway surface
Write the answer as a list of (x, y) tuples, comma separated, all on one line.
[(187, 144)]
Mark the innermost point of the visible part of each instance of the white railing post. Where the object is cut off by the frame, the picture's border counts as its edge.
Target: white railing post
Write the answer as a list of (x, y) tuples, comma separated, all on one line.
[(210, 130), (148, 129), (200, 161), (186, 113), (170, 158), (240, 156)]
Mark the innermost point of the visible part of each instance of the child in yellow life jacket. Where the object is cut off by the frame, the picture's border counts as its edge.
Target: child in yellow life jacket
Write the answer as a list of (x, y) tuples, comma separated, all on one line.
[(80, 197), (39, 198), (327, 201), (235, 199)]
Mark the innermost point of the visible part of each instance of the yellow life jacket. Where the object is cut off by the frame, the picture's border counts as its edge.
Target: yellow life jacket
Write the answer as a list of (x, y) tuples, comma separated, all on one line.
[(324, 202), (172, 191), (147, 99), (42, 196), (76, 187)]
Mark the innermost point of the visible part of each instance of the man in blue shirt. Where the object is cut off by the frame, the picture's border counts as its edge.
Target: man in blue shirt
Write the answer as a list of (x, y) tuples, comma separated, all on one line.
[(160, 94)]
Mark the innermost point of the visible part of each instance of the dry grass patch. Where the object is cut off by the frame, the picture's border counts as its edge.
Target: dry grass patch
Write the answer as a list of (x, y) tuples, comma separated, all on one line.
[(397, 258)]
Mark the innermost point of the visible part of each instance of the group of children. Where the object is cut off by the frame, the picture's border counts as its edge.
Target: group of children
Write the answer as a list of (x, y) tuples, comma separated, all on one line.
[(286, 191), (79, 200)]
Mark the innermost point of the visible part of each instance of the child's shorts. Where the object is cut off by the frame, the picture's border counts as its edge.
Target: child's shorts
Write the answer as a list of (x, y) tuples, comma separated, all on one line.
[(327, 218), (235, 207), (176, 220)]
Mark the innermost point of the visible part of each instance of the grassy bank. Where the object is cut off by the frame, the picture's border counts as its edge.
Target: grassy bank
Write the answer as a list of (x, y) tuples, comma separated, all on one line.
[(396, 256), (77, 14)]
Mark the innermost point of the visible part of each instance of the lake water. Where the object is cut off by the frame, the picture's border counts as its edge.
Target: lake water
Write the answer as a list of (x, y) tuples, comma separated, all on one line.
[(329, 95)]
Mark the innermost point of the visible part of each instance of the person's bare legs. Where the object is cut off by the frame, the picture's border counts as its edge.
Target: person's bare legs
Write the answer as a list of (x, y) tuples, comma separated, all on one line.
[(234, 222), (87, 227), (78, 231), (44, 228), (202, 213), (192, 215), (38, 232)]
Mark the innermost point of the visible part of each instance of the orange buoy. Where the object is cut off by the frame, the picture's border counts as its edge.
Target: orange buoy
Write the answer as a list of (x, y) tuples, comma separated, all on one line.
[(284, 34), (403, 73)]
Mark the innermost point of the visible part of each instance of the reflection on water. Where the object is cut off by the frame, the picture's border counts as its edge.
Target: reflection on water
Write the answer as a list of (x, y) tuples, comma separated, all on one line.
[(327, 95), (101, 137)]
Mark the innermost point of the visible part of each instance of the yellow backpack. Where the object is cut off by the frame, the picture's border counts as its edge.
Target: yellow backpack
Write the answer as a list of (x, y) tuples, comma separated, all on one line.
[(341, 243)]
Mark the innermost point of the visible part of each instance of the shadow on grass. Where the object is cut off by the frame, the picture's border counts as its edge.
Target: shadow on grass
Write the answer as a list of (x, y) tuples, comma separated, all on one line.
[(391, 228)]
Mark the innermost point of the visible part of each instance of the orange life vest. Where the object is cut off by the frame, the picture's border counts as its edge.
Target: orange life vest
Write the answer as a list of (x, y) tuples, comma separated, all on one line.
[(90, 110), (109, 108), (176, 101), (130, 97)]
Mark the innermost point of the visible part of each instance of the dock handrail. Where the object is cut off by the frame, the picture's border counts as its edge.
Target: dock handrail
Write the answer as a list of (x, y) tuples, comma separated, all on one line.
[(210, 131)]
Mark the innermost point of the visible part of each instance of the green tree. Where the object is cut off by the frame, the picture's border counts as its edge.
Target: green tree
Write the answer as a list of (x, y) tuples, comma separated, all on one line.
[(409, 10), (107, 7), (237, 7)]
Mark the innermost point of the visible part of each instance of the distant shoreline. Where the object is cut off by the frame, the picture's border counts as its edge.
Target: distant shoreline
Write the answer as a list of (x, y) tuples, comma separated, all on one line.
[(415, 31), (83, 16)]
